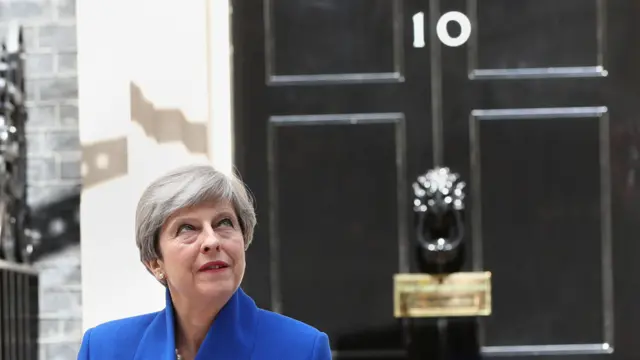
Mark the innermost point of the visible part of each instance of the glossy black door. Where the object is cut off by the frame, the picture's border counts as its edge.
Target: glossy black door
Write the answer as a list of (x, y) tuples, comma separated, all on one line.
[(336, 113)]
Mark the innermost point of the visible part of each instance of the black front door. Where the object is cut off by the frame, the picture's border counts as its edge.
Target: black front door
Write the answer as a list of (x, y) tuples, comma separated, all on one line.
[(341, 104)]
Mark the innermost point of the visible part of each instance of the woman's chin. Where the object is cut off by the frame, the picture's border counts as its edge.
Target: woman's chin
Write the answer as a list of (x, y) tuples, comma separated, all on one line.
[(217, 288)]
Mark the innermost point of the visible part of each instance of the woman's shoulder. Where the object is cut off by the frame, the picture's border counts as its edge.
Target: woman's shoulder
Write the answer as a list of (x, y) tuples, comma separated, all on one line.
[(126, 332), (301, 339), (269, 321), (128, 328), (98, 342)]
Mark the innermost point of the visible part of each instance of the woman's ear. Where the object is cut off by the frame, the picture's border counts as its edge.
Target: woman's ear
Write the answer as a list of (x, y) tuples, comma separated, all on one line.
[(155, 267)]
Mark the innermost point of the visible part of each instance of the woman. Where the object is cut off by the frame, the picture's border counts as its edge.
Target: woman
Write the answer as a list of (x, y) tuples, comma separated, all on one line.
[(193, 226)]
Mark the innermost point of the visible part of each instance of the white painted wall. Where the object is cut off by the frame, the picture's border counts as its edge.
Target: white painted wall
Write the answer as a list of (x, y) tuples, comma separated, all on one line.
[(150, 72)]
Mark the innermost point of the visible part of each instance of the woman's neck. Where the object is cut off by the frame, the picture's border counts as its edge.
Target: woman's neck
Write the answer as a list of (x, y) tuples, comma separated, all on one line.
[(193, 319), (189, 335)]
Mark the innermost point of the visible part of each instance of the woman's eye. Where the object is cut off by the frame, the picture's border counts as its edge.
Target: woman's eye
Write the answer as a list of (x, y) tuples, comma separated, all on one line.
[(185, 227), (226, 222)]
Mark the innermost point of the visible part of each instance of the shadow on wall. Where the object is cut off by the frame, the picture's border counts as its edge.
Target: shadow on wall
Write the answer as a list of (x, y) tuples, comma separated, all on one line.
[(104, 161), (167, 125), (107, 160), (58, 222)]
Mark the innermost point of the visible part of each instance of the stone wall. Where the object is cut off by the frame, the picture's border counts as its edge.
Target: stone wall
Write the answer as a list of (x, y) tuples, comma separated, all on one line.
[(54, 164)]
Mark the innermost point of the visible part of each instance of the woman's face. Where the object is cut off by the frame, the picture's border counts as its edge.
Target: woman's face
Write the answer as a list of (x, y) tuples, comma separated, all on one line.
[(202, 251)]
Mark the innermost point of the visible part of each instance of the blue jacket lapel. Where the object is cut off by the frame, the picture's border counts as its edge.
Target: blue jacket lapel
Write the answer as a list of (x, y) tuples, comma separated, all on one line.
[(233, 332), (158, 342), (230, 337)]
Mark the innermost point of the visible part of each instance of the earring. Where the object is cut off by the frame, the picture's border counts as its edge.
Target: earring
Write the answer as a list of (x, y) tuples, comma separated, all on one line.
[(161, 276)]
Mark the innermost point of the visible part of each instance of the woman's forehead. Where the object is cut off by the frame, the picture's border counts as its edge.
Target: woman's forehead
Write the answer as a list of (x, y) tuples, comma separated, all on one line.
[(209, 206)]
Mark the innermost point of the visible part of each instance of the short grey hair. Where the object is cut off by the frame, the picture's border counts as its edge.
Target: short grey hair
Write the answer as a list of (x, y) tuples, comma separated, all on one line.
[(184, 187)]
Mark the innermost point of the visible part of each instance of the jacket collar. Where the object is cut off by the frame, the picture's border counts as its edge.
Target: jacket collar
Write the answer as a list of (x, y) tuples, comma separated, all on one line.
[(231, 335)]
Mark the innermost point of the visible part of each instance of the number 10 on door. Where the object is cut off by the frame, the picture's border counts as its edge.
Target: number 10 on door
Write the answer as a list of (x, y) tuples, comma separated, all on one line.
[(441, 29)]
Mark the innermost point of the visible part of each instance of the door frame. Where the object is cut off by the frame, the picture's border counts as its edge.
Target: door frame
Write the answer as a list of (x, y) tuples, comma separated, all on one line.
[(220, 87)]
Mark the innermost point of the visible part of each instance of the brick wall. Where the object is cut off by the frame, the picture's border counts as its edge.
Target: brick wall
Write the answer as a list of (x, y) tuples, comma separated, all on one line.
[(54, 164)]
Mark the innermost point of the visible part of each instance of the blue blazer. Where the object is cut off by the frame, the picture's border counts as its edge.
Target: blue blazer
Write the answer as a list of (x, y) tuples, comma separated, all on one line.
[(241, 331)]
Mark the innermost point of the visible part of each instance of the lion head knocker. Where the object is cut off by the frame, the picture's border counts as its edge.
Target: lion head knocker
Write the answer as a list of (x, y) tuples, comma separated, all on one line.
[(439, 208)]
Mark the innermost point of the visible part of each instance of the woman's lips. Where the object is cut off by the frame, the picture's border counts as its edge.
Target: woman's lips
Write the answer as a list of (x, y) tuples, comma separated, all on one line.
[(214, 266)]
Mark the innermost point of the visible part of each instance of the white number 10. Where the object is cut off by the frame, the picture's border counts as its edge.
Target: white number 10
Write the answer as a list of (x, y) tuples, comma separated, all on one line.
[(441, 29)]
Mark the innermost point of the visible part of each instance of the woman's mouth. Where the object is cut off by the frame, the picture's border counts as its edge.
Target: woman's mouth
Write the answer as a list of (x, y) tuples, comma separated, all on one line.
[(214, 266)]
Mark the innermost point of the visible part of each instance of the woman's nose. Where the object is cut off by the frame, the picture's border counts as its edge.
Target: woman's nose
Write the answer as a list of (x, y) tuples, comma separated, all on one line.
[(210, 241)]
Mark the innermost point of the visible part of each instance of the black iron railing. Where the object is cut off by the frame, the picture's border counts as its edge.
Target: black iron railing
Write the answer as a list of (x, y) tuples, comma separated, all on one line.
[(18, 279), (18, 312)]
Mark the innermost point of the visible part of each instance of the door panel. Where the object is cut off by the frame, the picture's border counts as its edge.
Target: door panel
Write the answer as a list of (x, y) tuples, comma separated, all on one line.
[(324, 253), (333, 41), (530, 34), (542, 202)]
